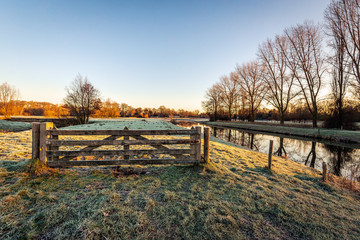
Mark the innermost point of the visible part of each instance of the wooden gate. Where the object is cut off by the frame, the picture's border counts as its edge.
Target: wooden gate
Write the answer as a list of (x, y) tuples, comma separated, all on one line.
[(131, 146)]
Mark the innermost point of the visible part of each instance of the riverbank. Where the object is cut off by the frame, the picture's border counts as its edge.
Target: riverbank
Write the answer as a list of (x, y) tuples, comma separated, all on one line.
[(341, 136)]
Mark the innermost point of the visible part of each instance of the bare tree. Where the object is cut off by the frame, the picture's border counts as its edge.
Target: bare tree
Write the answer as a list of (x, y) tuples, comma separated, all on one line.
[(213, 100), (351, 16), (278, 77), (252, 84), (339, 60), (8, 95), (305, 59), (82, 99), (230, 92), (344, 18)]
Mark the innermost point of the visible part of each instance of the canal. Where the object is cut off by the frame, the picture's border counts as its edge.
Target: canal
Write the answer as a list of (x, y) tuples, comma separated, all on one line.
[(343, 159)]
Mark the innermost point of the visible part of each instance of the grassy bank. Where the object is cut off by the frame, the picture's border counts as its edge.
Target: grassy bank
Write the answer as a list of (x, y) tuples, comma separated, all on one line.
[(343, 136), (9, 126), (234, 197)]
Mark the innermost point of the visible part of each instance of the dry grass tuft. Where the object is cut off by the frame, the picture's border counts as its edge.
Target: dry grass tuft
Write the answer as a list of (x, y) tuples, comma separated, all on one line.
[(37, 168), (344, 183)]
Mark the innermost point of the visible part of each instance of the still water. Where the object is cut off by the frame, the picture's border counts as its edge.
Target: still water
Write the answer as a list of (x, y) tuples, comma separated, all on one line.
[(343, 160)]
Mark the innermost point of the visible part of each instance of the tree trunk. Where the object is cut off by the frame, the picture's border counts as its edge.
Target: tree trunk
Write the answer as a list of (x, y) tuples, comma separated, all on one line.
[(341, 118), (282, 116), (252, 115), (314, 123), (315, 117), (230, 113)]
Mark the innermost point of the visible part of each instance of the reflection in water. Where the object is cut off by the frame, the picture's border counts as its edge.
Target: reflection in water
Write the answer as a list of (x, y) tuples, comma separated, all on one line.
[(342, 161), (281, 150), (311, 154), (338, 156), (241, 138)]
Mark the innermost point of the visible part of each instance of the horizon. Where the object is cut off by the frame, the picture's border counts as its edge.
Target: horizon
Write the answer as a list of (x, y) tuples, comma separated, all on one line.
[(142, 54)]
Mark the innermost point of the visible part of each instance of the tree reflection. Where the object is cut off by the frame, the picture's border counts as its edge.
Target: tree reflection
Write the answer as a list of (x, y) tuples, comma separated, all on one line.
[(215, 131), (281, 148), (338, 156), (311, 154)]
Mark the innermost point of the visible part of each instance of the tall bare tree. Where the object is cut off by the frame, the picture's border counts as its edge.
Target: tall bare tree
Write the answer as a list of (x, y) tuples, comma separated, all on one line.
[(82, 99), (344, 17), (230, 92), (305, 57), (251, 82), (339, 60), (278, 77), (8, 95), (213, 100)]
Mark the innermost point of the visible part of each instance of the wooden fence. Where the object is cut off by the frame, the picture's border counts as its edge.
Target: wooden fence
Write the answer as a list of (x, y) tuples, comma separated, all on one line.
[(47, 142)]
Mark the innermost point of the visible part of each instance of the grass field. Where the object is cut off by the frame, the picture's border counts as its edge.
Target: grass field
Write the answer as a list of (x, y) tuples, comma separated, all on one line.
[(233, 197), (13, 126)]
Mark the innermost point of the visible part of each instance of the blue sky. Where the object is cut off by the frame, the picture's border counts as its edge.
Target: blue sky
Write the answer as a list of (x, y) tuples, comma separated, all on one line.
[(143, 53)]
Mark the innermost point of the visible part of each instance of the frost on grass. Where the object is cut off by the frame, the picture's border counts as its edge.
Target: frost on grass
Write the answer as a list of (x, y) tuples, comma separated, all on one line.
[(14, 126), (132, 124), (233, 197), (15, 146)]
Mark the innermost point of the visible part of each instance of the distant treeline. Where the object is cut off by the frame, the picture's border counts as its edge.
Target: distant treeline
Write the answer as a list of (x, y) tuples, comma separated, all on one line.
[(107, 109), (297, 112)]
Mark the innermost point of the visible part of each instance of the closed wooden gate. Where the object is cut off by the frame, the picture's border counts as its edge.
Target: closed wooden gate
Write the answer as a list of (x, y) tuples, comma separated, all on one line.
[(61, 148)]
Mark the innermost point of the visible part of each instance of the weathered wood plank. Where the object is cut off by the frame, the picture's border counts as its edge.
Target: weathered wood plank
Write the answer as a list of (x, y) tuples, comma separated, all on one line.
[(120, 162), (35, 140), (43, 138), (157, 146), (120, 132), (206, 145), (126, 146), (198, 146), (118, 142), (74, 153), (54, 148), (90, 148)]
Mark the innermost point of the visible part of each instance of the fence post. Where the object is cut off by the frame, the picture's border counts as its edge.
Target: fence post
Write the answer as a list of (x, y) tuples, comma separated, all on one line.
[(198, 145), (325, 169), (43, 137), (270, 153), (206, 145), (126, 146), (35, 140)]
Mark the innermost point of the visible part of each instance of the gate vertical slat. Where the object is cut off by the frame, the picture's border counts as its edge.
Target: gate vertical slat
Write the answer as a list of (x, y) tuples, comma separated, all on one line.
[(43, 137), (126, 146), (198, 144)]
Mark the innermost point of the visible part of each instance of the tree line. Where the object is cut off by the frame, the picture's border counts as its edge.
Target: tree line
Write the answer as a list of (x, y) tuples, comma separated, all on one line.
[(293, 68)]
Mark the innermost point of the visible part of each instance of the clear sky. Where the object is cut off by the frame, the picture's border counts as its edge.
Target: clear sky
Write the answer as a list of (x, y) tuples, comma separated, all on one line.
[(143, 53)]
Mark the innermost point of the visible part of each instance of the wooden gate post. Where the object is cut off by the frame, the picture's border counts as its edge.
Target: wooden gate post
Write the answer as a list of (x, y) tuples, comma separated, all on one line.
[(126, 146), (35, 140), (206, 144), (270, 153), (198, 145), (43, 137)]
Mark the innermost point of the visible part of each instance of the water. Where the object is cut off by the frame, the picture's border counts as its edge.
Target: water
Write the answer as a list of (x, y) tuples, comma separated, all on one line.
[(343, 159)]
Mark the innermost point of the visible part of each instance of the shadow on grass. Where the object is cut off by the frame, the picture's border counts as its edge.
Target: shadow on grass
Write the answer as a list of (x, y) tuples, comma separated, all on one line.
[(317, 182), (13, 166)]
